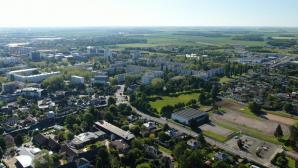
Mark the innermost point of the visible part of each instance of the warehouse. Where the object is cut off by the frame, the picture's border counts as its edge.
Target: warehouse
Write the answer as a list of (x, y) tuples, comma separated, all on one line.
[(188, 115)]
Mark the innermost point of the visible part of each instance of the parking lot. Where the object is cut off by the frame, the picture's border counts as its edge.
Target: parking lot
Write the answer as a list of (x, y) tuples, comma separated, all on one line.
[(251, 145)]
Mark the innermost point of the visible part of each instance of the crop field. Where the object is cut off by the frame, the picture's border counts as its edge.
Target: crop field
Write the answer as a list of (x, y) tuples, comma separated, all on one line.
[(163, 39), (172, 100)]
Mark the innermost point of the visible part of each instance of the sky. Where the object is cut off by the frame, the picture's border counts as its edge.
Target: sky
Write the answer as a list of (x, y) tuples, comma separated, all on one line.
[(96, 13)]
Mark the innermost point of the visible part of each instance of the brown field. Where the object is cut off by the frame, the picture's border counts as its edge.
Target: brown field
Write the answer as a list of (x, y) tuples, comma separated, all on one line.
[(266, 126)]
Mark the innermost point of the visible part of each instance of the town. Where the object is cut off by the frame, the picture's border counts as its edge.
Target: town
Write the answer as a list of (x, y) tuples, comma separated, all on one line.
[(123, 100)]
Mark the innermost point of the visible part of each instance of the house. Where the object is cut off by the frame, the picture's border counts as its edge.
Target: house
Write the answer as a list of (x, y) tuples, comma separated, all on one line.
[(114, 130), (221, 156), (23, 161), (188, 115), (46, 142), (149, 125), (193, 143), (120, 145), (86, 138)]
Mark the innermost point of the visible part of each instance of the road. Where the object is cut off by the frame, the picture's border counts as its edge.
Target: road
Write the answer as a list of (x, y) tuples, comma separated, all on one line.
[(284, 60)]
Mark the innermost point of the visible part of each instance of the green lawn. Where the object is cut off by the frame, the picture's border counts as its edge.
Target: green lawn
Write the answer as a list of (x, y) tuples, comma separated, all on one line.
[(291, 163), (215, 136), (165, 150), (172, 100), (225, 79)]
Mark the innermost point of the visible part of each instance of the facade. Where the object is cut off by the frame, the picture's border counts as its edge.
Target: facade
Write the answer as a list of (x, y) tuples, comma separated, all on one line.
[(10, 87), (28, 75), (100, 79), (30, 92), (77, 80), (91, 50), (188, 115), (35, 56), (149, 76)]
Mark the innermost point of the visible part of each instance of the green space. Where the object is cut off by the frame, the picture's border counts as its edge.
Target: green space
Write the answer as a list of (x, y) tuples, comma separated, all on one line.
[(165, 150), (215, 136), (291, 162), (225, 79), (171, 100), (249, 131)]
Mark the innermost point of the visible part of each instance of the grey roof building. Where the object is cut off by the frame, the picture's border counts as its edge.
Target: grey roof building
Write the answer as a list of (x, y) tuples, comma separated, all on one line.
[(187, 115)]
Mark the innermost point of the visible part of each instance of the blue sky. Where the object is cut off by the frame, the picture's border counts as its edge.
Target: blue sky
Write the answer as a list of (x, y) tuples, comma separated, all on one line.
[(63, 13)]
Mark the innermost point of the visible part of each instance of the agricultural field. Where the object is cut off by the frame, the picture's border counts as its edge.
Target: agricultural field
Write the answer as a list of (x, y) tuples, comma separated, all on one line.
[(171, 100)]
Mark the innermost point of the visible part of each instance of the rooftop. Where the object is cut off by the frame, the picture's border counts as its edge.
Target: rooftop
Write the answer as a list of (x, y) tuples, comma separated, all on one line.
[(115, 130), (190, 113)]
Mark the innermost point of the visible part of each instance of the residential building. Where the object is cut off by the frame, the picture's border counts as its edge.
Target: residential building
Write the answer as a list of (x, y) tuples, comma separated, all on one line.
[(85, 138), (77, 80), (114, 130), (100, 79), (29, 75), (149, 76), (30, 92)]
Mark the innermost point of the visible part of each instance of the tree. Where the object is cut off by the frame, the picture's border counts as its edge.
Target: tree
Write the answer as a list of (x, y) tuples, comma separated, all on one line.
[(132, 156), (103, 158), (2, 143), (143, 165), (202, 98), (193, 160), (54, 83), (201, 139), (88, 118), (254, 107), (43, 160), (157, 84), (294, 135), (214, 91), (18, 140), (109, 117), (240, 144), (166, 111), (111, 101), (288, 107), (179, 149), (278, 132), (1, 153)]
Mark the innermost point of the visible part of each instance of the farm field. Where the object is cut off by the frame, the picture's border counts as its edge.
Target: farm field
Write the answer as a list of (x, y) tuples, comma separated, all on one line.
[(172, 100)]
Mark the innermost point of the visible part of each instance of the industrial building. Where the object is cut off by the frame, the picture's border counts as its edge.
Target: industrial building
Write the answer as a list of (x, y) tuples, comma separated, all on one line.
[(188, 115)]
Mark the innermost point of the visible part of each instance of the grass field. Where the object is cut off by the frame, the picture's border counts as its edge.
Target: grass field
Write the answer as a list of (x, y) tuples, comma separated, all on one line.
[(172, 100), (215, 136)]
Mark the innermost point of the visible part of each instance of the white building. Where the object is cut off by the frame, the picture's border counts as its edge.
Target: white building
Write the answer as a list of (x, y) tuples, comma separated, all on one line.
[(77, 80), (28, 75)]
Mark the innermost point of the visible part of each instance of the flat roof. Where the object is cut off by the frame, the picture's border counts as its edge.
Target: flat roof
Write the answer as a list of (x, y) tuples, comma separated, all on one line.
[(24, 160), (190, 113), (115, 130)]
